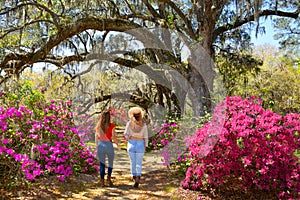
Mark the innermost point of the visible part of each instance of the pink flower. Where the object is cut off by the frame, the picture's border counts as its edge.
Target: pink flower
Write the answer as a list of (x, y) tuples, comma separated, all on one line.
[(247, 162), (18, 157), (5, 141), (61, 178), (10, 151), (33, 136), (251, 140), (29, 176)]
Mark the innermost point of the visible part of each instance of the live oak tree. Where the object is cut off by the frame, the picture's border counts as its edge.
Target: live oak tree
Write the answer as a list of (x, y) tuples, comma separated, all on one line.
[(65, 33)]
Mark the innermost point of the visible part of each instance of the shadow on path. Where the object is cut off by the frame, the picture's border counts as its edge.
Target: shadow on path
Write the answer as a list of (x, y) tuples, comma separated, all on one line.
[(156, 182)]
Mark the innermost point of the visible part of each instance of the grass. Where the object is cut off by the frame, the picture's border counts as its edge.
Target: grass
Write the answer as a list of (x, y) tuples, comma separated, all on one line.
[(169, 188)]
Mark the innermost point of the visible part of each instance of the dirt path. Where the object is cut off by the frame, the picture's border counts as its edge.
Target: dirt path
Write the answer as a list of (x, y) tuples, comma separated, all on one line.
[(156, 183), (152, 161)]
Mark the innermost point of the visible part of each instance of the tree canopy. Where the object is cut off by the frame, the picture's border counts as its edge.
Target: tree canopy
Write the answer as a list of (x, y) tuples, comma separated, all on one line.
[(67, 32)]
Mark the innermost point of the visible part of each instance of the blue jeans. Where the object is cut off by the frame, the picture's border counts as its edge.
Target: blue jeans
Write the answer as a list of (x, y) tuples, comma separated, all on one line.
[(106, 149), (136, 150)]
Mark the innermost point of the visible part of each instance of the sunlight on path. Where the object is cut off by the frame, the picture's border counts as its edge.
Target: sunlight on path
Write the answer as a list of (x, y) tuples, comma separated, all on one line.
[(154, 179), (154, 185), (152, 161)]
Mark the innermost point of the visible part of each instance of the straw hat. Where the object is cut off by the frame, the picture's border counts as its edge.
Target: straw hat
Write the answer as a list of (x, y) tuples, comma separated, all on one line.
[(135, 111)]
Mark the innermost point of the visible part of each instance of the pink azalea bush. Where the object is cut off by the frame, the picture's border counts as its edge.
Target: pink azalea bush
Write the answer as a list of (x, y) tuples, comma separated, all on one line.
[(258, 146), (169, 138), (41, 141), (164, 134), (118, 116)]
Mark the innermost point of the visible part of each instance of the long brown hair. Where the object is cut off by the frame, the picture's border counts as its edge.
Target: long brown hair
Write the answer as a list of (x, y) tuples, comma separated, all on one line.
[(103, 122)]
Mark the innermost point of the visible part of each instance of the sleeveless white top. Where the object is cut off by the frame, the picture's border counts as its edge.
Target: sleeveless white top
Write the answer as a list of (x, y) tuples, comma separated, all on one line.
[(143, 133)]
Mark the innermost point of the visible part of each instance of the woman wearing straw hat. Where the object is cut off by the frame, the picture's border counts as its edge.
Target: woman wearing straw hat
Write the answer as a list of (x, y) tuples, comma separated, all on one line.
[(136, 132)]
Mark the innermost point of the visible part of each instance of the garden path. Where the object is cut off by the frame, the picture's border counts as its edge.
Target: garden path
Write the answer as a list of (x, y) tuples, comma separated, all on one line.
[(157, 182), (152, 160)]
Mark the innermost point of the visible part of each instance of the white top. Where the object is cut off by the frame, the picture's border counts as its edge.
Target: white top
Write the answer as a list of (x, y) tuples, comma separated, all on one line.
[(143, 133)]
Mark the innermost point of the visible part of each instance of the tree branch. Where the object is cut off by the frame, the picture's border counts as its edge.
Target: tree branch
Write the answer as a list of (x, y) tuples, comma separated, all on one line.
[(8, 31), (40, 6), (18, 61), (190, 30), (239, 23), (61, 61), (151, 9)]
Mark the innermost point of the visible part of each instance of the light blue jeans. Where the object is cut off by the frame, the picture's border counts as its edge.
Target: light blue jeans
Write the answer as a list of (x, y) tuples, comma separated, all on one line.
[(136, 150), (105, 148)]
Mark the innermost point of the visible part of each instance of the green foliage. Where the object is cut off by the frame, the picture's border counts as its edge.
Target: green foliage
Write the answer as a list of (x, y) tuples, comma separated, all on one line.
[(181, 165), (277, 84), (289, 42), (204, 119), (21, 93), (170, 20), (239, 142), (235, 69)]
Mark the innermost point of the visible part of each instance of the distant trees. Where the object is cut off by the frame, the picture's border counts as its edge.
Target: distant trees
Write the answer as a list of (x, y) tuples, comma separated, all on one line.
[(278, 82)]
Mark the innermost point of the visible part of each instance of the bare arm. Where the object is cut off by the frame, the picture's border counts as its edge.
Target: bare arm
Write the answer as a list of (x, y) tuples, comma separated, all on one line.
[(126, 131), (146, 136), (114, 137), (96, 138)]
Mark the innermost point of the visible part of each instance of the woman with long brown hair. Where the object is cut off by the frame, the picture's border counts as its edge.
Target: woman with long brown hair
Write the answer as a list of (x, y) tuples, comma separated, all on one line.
[(105, 135), (137, 133)]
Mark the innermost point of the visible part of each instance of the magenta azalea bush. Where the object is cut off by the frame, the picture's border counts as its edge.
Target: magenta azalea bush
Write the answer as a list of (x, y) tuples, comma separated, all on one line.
[(40, 142), (257, 146), (164, 134)]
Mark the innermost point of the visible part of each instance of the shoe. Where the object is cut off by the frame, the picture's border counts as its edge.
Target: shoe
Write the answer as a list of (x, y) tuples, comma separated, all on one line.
[(101, 184), (133, 178), (137, 182), (109, 182)]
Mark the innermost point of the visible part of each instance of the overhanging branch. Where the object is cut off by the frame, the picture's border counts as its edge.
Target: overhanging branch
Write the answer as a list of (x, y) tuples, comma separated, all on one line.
[(19, 61), (239, 23)]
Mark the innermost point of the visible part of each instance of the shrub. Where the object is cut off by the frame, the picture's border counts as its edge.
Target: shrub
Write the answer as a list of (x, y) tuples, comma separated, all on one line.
[(169, 138), (258, 146), (40, 141), (165, 134)]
